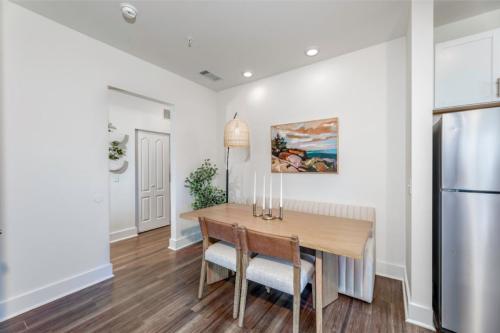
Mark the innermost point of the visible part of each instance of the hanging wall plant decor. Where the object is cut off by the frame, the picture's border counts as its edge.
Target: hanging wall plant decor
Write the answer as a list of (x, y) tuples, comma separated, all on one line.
[(116, 150)]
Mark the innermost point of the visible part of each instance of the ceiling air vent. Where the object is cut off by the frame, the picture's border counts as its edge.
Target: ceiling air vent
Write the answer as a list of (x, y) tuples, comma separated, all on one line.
[(210, 76)]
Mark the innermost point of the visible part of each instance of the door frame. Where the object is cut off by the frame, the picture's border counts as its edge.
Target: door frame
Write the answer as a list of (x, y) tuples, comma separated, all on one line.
[(136, 165)]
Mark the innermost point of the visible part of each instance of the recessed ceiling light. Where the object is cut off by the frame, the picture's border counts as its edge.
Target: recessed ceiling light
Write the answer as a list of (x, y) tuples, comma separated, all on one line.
[(247, 74), (129, 12), (311, 52)]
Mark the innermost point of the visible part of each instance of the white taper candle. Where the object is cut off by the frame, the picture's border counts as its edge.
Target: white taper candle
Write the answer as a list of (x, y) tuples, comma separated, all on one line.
[(281, 190), (264, 194), (271, 191), (255, 187)]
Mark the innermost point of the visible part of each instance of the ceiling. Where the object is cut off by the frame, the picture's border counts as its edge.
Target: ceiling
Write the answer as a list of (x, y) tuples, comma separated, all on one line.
[(447, 11), (229, 37)]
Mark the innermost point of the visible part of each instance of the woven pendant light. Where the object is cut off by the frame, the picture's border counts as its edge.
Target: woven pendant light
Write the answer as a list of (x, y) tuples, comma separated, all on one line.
[(236, 134)]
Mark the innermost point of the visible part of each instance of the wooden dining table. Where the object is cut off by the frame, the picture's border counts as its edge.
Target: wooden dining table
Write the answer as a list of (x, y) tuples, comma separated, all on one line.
[(329, 236)]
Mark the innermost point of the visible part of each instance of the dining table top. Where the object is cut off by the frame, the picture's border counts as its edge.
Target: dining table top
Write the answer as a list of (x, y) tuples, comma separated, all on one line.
[(337, 235)]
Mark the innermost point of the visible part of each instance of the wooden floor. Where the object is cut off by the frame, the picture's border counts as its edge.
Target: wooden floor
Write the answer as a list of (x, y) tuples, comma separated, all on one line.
[(154, 290)]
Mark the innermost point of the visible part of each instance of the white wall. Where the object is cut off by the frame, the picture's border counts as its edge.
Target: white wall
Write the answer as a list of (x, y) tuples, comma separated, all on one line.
[(54, 159), (2, 168), (408, 159), (469, 26), (366, 90), (128, 113), (419, 304)]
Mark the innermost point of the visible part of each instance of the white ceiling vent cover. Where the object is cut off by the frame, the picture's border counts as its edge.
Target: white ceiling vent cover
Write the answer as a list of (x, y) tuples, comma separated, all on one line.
[(210, 76)]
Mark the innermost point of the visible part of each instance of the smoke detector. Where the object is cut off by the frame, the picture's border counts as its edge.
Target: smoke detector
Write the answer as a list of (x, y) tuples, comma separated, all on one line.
[(129, 12)]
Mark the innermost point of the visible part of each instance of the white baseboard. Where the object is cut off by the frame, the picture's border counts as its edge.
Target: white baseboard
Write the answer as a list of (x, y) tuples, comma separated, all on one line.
[(420, 315), (122, 234), (406, 294), (416, 314), (177, 244), (32, 299), (390, 270)]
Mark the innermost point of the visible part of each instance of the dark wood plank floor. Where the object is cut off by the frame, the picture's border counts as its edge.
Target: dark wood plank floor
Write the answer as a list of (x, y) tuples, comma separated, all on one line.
[(154, 290)]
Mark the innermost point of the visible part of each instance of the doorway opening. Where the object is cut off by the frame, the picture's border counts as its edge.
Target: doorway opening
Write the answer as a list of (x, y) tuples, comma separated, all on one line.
[(139, 131)]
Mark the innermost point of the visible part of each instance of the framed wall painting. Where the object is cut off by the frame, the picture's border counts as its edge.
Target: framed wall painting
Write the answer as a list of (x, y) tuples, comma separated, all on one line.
[(308, 146)]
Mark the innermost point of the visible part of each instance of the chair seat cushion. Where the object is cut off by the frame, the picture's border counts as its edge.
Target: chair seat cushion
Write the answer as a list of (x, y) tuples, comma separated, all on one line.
[(222, 254), (278, 274)]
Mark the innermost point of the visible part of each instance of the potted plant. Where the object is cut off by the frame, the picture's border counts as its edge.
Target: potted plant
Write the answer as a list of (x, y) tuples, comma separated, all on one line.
[(200, 186)]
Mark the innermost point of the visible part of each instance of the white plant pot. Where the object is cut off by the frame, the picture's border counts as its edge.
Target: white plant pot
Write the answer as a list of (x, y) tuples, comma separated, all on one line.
[(116, 165)]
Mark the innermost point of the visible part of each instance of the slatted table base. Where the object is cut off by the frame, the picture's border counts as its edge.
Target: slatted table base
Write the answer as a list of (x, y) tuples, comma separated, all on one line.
[(216, 273), (326, 284)]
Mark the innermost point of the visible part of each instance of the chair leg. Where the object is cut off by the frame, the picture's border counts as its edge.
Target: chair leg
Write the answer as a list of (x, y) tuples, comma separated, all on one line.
[(296, 312), (203, 275), (313, 285), (237, 289), (296, 299), (243, 300)]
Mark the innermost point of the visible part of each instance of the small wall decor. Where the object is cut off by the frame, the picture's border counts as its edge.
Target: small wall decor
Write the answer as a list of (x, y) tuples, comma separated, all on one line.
[(310, 146), (111, 127), (117, 150)]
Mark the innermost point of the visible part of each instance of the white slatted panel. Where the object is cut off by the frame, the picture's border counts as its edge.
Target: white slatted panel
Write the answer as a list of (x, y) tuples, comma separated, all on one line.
[(356, 276)]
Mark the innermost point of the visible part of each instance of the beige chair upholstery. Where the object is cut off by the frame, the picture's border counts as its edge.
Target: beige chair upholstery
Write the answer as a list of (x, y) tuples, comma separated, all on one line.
[(278, 274), (222, 254), (356, 276)]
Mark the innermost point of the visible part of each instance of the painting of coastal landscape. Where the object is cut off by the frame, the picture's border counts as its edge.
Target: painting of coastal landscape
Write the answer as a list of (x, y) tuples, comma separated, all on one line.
[(310, 146)]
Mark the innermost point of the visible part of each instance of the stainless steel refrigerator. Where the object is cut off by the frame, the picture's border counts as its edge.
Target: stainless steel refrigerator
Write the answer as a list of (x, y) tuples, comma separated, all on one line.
[(466, 221)]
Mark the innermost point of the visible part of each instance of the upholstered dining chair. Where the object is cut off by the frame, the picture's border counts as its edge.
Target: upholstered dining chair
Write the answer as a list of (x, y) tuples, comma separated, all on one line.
[(221, 247), (278, 265)]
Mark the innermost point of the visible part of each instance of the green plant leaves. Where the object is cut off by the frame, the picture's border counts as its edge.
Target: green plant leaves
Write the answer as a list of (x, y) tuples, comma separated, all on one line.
[(200, 186), (116, 151)]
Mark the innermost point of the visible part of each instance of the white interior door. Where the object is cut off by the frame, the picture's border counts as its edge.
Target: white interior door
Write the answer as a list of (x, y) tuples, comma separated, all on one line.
[(153, 180)]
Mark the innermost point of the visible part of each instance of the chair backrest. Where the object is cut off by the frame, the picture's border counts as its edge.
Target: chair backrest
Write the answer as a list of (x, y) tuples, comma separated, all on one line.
[(286, 248), (218, 230)]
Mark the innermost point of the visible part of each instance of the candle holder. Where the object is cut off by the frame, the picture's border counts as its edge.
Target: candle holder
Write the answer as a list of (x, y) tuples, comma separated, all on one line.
[(269, 215), (254, 209)]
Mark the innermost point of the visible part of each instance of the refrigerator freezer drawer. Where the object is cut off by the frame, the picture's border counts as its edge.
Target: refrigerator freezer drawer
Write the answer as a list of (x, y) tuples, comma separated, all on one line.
[(471, 150), (470, 262)]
